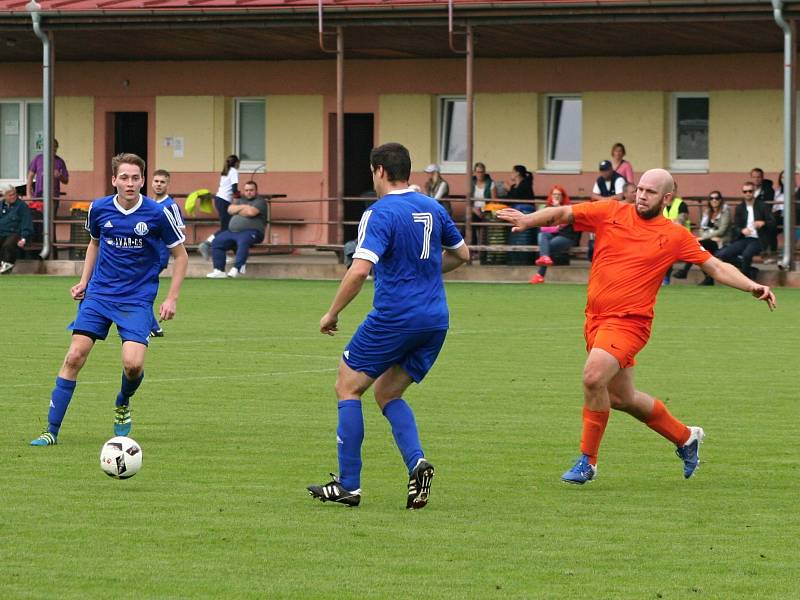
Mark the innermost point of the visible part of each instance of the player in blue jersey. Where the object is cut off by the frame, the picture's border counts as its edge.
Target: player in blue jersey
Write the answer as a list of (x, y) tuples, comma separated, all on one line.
[(118, 285), (409, 240), (159, 185)]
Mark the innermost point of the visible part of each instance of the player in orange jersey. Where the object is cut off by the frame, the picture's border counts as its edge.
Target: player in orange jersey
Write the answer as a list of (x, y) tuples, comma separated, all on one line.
[(634, 246)]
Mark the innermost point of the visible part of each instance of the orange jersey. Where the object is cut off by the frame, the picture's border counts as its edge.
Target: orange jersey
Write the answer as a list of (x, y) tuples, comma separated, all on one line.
[(631, 257)]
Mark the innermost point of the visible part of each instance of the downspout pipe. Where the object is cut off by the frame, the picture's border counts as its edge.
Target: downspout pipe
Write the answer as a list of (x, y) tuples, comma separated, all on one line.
[(789, 133), (47, 114)]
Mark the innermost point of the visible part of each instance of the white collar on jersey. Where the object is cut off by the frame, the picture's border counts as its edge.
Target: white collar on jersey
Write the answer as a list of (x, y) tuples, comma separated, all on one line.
[(164, 199), (129, 211), (405, 191)]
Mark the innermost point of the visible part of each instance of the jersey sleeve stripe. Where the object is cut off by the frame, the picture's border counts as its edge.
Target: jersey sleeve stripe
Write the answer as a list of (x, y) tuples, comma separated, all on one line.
[(366, 255), (175, 229), (458, 245), (178, 219)]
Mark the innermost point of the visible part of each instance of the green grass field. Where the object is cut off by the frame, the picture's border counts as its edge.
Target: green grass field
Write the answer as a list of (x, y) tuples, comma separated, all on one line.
[(237, 415)]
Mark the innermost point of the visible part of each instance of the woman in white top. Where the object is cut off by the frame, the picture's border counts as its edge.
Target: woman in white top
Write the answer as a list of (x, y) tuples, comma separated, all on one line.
[(483, 188), (228, 190)]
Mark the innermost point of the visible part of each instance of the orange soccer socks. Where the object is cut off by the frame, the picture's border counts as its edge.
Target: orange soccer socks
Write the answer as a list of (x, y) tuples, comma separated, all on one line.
[(662, 422), (594, 425)]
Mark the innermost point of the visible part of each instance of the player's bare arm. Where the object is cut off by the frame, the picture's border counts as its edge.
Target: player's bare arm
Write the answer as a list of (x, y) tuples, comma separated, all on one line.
[(351, 285), (546, 217), (181, 261), (729, 275), (79, 289), (452, 259)]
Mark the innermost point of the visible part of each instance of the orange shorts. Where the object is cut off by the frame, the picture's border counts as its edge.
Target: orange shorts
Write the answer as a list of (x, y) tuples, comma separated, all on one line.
[(623, 337)]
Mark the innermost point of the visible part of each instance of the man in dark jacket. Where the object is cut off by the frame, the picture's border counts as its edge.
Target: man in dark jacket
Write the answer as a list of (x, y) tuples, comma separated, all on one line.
[(750, 216), (16, 227)]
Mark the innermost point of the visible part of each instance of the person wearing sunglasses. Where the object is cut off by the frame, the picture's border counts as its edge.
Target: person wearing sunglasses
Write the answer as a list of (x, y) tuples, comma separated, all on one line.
[(715, 229), (750, 216)]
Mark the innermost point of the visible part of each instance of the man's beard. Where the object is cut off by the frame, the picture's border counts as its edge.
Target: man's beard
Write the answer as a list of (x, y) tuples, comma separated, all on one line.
[(650, 213)]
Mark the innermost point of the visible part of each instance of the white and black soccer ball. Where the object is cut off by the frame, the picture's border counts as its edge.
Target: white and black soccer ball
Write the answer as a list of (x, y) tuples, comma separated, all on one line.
[(121, 457)]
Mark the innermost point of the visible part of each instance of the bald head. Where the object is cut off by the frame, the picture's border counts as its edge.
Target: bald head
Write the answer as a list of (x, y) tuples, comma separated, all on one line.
[(659, 179), (655, 188)]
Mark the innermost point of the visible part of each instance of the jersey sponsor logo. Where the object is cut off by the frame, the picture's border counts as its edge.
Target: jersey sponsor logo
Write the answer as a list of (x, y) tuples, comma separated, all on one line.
[(141, 228), (108, 224), (126, 242)]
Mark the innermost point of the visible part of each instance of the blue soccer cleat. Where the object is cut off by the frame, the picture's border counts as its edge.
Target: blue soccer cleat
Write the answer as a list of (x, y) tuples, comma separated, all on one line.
[(689, 453), (122, 420), (581, 472), (45, 439)]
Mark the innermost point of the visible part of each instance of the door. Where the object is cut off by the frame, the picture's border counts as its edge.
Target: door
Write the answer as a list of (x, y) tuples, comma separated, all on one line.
[(130, 135), (359, 131)]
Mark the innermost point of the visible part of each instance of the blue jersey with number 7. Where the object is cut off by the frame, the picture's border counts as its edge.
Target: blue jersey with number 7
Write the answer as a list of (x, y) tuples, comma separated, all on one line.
[(403, 235)]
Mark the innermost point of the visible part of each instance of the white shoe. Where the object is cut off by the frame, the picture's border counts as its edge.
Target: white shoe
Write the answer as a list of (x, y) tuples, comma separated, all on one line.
[(5, 267), (234, 272), (216, 274), (243, 270)]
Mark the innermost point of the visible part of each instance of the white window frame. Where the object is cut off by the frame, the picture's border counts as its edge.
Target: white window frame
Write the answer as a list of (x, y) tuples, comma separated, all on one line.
[(24, 159), (248, 165), (560, 166), (447, 166), (684, 165)]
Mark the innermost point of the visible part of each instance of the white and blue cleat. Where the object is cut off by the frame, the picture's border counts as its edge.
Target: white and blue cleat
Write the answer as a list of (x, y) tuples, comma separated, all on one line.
[(689, 453), (581, 472)]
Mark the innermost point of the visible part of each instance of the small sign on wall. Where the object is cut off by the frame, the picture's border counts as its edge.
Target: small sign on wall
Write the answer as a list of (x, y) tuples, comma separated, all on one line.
[(177, 145)]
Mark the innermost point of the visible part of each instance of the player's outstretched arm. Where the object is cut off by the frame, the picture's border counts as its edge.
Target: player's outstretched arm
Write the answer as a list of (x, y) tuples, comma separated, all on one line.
[(552, 215), (351, 285), (77, 291), (729, 275), (181, 261)]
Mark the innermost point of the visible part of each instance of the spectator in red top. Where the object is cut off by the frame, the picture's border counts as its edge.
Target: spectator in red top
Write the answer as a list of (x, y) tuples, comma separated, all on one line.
[(554, 239)]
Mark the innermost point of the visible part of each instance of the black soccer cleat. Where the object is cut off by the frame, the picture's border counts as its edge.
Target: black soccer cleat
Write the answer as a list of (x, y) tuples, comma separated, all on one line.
[(419, 485), (334, 492)]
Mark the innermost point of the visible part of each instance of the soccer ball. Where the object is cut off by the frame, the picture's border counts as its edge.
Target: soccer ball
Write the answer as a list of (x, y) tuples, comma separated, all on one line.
[(121, 457)]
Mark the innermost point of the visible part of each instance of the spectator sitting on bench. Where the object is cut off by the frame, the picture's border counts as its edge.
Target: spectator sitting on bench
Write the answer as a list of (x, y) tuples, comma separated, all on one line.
[(554, 240), (750, 216), (16, 227), (246, 227), (715, 227)]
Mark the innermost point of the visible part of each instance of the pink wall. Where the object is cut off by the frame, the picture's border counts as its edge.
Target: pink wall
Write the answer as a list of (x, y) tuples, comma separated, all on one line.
[(364, 81)]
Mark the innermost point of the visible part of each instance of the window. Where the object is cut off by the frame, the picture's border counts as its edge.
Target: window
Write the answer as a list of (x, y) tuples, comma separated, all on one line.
[(21, 137), (453, 134), (564, 133), (689, 135), (250, 140)]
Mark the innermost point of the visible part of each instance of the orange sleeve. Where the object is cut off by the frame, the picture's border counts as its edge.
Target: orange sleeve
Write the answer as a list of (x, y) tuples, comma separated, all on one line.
[(690, 250), (588, 215)]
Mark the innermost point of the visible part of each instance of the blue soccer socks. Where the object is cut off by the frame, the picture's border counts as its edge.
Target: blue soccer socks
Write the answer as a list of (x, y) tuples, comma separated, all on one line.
[(404, 429), (59, 401), (128, 388), (349, 436)]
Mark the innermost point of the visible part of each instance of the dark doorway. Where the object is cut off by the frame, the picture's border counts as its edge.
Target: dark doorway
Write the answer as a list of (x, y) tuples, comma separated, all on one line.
[(359, 136), (130, 135)]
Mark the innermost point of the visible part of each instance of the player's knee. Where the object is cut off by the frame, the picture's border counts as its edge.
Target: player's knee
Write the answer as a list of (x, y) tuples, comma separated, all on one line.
[(593, 379), (346, 391), (132, 369), (75, 359)]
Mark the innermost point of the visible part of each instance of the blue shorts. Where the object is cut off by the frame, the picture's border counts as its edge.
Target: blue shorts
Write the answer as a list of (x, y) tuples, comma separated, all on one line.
[(373, 351), (95, 317)]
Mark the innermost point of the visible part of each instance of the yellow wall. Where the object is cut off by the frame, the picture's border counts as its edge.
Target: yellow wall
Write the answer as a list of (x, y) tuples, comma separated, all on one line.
[(506, 131), (294, 133), (637, 119), (74, 130), (745, 130), (409, 119), (192, 118)]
